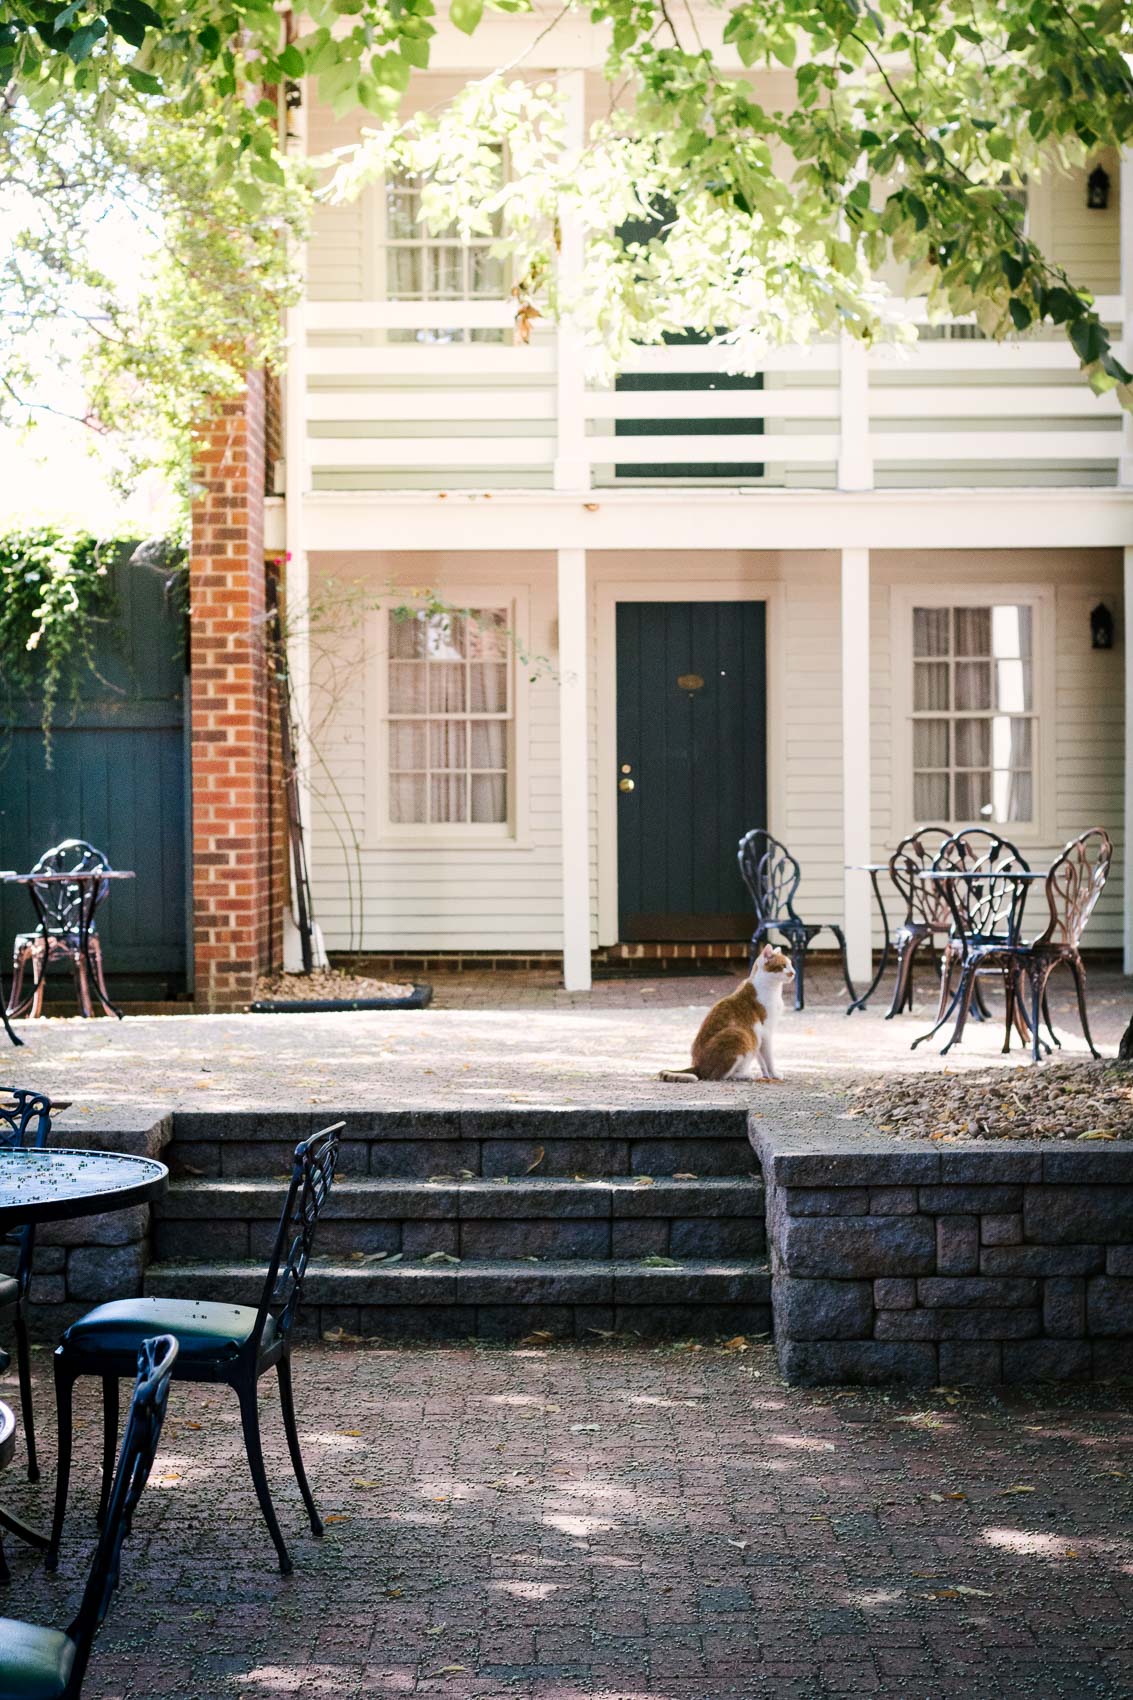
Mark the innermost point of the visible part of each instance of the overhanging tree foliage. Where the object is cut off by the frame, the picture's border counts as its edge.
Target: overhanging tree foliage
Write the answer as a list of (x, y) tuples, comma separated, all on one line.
[(897, 136)]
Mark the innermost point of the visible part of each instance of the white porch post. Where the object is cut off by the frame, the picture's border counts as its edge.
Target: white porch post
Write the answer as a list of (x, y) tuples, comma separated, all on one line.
[(855, 458), (572, 470), (1125, 465), (856, 836), (1127, 897), (574, 785)]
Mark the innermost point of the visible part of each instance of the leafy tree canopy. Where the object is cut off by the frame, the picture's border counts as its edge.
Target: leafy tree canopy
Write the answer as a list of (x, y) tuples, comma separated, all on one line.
[(895, 139)]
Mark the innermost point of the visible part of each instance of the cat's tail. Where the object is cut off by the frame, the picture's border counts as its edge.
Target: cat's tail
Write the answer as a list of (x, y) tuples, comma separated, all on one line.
[(677, 1074)]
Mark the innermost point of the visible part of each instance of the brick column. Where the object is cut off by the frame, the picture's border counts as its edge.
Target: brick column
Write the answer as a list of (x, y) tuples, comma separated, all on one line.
[(235, 931)]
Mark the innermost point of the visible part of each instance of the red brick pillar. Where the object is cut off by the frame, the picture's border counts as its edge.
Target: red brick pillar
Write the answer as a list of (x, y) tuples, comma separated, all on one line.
[(235, 931)]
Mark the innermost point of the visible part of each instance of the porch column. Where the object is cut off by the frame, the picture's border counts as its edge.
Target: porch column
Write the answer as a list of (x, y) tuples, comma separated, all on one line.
[(574, 762), (856, 835), (572, 470), (1127, 894)]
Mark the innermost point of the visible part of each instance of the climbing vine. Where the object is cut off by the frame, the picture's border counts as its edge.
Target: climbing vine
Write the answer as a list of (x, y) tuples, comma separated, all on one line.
[(53, 587)]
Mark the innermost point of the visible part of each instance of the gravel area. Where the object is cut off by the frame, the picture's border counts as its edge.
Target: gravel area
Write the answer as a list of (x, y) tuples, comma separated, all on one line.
[(1080, 1099), (610, 1524)]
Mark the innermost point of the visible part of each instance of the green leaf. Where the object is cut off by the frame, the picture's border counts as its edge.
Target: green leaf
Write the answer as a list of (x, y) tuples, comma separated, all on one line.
[(291, 61), (84, 41), (1021, 315), (249, 196), (1088, 340), (65, 18), (131, 29), (466, 14)]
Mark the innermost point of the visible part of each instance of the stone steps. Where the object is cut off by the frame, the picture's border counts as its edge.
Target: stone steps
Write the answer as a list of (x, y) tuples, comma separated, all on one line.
[(501, 1298), (537, 1220)]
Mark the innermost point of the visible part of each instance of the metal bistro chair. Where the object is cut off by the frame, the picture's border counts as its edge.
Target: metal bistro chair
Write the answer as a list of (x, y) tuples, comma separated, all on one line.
[(66, 930), (772, 877), (928, 918), (1073, 885), (220, 1343), (987, 907), (19, 1110), (37, 1663)]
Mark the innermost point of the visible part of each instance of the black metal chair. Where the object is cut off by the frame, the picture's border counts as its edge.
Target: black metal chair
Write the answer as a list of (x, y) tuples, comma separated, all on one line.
[(19, 1110), (928, 919), (986, 902), (66, 932), (1073, 884), (220, 1343), (772, 877), (37, 1663)]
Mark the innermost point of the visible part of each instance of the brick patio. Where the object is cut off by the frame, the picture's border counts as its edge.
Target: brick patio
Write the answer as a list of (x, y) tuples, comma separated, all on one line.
[(616, 1524)]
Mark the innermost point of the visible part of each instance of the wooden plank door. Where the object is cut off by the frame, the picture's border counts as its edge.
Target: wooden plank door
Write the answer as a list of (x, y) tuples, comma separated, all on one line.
[(692, 767)]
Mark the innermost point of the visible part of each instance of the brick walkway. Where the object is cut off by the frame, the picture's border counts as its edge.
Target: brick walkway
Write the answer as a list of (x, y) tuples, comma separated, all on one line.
[(615, 1524), (497, 1041)]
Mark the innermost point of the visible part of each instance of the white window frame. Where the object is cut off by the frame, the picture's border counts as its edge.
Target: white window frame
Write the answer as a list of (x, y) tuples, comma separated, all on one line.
[(381, 831), (1041, 601), (384, 245)]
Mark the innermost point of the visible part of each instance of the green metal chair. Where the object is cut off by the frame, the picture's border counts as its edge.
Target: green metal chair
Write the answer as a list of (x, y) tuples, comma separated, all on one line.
[(220, 1343), (37, 1663)]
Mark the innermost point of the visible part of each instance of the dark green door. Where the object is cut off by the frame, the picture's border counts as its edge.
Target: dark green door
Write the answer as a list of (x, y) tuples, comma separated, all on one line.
[(692, 766), (118, 778)]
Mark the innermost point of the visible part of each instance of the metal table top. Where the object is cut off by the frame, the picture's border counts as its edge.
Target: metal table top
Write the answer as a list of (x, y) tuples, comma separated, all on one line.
[(55, 1184)]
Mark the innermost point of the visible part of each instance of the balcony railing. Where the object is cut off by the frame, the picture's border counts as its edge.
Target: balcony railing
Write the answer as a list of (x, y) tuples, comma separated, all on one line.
[(434, 395)]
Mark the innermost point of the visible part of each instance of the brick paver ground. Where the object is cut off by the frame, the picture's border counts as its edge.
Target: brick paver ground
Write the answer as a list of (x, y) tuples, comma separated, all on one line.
[(615, 1524), (503, 1040)]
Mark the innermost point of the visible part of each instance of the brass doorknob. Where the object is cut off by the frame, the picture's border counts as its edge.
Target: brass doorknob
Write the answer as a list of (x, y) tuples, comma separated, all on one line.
[(625, 784)]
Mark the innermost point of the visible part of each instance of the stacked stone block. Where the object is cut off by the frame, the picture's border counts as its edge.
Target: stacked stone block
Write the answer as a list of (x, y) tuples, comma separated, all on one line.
[(895, 1260)]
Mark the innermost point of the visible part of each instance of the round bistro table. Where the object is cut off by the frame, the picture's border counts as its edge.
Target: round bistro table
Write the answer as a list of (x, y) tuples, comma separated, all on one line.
[(57, 1185)]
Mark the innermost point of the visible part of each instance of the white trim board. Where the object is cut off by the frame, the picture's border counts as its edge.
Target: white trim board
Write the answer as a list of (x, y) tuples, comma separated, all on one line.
[(607, 594)]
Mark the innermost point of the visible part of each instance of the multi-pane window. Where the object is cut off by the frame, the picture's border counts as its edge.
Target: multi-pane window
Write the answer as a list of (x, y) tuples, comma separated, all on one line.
[(421, 266), (449, 718), (974, 719)]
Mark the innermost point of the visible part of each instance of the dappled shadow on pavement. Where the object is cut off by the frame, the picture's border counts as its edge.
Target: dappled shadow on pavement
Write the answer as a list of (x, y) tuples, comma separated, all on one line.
[(617, 1523)]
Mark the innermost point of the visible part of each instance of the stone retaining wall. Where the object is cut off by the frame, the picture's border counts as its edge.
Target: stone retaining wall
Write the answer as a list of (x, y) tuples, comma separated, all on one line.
[(900, 1260)]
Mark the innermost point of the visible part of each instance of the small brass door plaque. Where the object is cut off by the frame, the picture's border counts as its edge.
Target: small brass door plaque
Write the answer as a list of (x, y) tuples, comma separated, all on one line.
[(689, 682)]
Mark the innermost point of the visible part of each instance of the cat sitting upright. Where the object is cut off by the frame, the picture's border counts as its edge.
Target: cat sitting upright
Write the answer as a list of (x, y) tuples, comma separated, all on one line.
[(735, 1037)]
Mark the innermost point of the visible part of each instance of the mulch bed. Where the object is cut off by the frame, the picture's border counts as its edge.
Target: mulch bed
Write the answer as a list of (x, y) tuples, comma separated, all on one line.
[(1056, 1100), (323, 984)]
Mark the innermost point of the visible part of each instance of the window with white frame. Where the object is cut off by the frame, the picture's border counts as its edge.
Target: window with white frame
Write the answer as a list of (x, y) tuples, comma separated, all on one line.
[(450, 716), (975, 723), (421, 266)]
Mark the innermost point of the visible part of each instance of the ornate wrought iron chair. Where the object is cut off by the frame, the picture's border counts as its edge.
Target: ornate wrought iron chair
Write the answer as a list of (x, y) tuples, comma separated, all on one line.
[(772, 877), (37, 1663), (220, 1343), (1073, 885), (25, 1119), (928, 919), (66, 930), (986, 902)]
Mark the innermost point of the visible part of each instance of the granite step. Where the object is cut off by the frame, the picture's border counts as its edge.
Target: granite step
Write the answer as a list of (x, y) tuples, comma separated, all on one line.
[(501, 1298), (473, 1217)]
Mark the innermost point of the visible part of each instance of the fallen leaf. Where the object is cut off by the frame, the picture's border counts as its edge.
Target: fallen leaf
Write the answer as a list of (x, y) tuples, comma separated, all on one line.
[(741, 1545), (437, 1180), (337, 1517), (738, 1343), (537, 1337), (584, 1428), (364, 1482), (351, 1433), (643, 1180), (684, 1176), (439, 1630), (393, 1593), (975, 1593), (451, 1670), (1098, 1133), (1017, 1487), (440, 1257), (534, 1164), (656, 1262)]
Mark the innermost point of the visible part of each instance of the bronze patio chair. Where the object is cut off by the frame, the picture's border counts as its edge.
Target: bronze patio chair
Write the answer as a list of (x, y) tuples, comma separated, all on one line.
[(1073, 885), (928, 918)]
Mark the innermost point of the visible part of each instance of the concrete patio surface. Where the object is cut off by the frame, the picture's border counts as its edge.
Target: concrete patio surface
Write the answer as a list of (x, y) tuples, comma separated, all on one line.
[(504, 1041), (612, 1524)]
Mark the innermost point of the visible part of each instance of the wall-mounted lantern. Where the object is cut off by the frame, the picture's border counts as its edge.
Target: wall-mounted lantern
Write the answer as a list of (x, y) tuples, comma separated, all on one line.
[(1097, 189), (293, 97), (1101, 627)]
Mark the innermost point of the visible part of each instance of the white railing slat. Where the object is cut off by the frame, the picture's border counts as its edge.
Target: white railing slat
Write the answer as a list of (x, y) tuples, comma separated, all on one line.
[(698, 451), (712, 404), (430, 404), (995, 447), (410, 315), (1015, 401), (420, 360), (373, 453)]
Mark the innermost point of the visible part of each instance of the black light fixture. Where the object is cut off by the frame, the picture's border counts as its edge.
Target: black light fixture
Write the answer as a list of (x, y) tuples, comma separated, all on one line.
[(1097, 189), (293, 97), (1101, 627)]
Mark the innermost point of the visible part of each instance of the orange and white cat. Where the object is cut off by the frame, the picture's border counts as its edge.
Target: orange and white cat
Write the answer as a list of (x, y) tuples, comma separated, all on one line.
[(736, 1037)]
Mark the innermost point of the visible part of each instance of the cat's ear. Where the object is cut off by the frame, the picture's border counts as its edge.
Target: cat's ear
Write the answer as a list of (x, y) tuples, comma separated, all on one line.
[(768, 952)]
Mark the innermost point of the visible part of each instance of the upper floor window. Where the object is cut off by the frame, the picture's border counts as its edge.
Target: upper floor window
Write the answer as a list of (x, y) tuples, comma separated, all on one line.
[(449, 719), (975, 721), (422, 266)]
